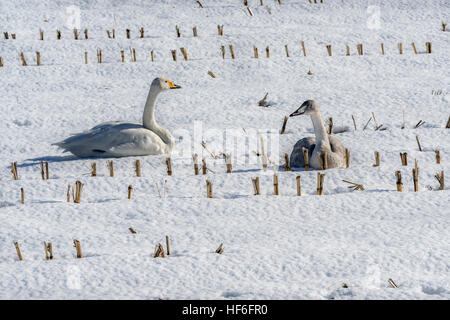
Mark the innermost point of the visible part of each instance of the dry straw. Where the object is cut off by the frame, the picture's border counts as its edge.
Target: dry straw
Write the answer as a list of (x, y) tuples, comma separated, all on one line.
[(392, 283), (354, 186), (22, 196), (132, 230), (299, 185)]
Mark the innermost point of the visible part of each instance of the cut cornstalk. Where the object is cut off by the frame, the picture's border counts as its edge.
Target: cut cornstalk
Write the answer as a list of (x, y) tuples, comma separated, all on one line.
[(438, 156), (418, 143), (219, 250), (320, 180), (19, 253), (377, 159), (440, 179), (111, 168), (94, 169), (130, 191), (283, 127), (399, 183), (168, 245), (256, 186), (306, 158), (77, 246), (169, 166), (137, 165), (287, 166), (208, 189), (275, 185), (299, 186), (42, 170)]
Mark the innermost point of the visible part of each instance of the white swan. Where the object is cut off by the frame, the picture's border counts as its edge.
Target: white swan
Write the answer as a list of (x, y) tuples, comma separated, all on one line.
[(333, 147), (121, 139)]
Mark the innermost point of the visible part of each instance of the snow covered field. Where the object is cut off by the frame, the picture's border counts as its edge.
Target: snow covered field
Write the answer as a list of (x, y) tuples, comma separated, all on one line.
[(275, 247)]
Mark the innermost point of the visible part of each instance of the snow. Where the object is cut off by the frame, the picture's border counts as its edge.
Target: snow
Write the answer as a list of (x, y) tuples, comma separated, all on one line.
[(275, 247)]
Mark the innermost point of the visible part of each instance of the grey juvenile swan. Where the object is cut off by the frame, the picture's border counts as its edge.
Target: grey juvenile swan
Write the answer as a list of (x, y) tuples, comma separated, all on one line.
[(121, 139), (323, 142)]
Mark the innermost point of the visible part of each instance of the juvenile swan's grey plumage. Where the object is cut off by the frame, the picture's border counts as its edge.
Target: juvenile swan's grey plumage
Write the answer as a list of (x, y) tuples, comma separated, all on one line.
[(331, 145), (121, 139)]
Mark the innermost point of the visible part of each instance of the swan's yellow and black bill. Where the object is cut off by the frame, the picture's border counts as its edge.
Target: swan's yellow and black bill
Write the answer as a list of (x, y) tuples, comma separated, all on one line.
[(173, 85), (297, 112)]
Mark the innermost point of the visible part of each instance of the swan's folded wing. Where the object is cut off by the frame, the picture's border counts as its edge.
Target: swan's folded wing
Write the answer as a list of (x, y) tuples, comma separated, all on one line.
[(104, 138)]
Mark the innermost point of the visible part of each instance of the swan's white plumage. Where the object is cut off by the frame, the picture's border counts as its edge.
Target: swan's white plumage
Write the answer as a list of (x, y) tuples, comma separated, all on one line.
[(322, 142), (121, 139)]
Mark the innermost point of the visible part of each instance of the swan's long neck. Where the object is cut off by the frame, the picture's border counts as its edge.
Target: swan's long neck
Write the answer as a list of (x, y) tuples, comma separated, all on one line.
[(149, 121), (322, 141)]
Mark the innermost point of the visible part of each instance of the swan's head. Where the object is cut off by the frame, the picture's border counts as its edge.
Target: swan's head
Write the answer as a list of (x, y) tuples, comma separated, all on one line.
[(164, 84), (308, 107)]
